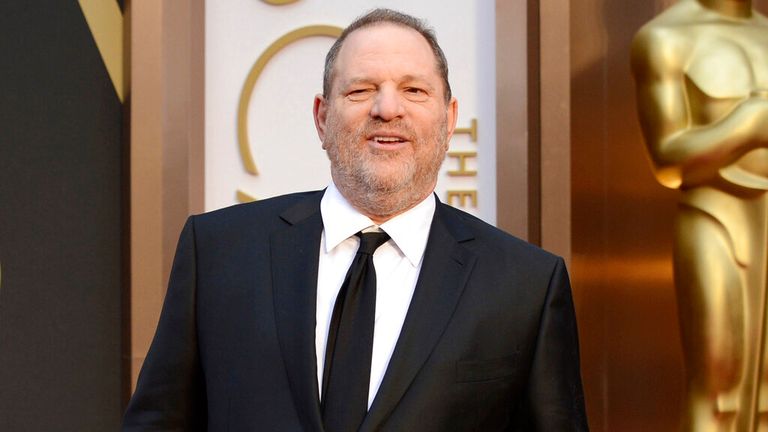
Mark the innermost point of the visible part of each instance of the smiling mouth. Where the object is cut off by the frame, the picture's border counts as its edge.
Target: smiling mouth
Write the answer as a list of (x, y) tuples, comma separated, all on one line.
[(387, 140)]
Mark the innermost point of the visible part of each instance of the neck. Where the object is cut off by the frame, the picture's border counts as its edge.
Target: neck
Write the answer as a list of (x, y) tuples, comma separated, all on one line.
[(730, 8), (381, 206)]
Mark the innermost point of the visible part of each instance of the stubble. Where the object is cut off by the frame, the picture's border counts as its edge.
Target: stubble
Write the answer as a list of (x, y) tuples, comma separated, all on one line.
[(384, 183)]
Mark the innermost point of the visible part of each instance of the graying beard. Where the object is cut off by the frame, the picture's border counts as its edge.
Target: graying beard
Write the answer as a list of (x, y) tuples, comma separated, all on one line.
[(379, 198), (369, 194)]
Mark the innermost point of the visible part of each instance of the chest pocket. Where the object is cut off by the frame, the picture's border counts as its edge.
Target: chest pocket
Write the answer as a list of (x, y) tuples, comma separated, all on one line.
[(485, 370)]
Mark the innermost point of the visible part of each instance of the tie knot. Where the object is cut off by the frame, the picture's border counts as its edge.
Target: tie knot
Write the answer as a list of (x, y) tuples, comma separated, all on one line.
[(370, 241)]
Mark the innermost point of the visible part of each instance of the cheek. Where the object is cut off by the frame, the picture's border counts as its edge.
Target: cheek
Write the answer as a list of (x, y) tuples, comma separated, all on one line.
[(348, 116)]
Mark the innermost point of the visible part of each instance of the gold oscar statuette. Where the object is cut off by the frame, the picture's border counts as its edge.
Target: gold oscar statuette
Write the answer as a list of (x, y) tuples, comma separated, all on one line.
[(701, 71)]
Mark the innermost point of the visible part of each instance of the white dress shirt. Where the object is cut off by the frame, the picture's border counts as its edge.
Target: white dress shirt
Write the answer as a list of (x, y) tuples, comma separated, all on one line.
[(397, 263)]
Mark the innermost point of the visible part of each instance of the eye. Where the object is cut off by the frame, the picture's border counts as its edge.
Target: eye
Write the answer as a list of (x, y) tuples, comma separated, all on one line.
[(416, 93), (357, 94)]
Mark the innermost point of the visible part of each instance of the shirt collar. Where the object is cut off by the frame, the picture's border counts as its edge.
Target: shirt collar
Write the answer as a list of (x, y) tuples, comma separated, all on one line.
[(409, 230)]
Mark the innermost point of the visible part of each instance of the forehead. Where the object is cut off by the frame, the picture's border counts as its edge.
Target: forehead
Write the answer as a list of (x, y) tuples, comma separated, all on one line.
[(386, 49)]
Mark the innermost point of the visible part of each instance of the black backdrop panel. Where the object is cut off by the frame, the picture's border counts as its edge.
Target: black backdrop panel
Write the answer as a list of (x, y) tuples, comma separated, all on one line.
[(60, 223)]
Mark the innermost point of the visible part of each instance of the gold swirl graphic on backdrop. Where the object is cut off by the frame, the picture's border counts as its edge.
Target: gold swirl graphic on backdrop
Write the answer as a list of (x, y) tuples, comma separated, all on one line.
[(279, 2), (253, 76)]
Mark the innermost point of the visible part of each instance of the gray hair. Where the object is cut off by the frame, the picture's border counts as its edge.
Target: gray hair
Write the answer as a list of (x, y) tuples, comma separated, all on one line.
[(387, 16)]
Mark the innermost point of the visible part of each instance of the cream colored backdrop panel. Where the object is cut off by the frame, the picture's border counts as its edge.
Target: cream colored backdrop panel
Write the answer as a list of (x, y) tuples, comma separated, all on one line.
[(281, 134)]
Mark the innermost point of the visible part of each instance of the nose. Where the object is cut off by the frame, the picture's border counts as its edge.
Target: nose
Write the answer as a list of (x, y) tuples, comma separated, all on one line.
[(388, 105)]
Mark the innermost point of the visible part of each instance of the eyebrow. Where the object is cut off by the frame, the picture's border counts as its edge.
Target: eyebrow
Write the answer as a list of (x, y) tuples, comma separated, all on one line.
[(422, 80)]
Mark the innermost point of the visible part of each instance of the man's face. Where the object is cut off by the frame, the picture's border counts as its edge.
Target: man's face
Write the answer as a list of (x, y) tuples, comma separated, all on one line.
[(385, 123)]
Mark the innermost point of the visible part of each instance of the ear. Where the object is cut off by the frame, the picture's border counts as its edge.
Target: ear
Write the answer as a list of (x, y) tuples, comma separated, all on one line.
[(452, 114), (319, 111)]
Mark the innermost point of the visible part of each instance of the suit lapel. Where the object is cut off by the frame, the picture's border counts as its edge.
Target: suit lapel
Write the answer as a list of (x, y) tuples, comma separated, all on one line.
[(444, 273), (294, 256)]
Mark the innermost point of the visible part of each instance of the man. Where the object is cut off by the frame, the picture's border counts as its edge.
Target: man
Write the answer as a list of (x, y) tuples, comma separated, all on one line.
[(702, 93), (472, 330)]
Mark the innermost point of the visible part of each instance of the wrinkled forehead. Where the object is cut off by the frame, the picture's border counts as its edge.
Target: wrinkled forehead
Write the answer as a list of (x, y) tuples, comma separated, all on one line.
[(386, 44)]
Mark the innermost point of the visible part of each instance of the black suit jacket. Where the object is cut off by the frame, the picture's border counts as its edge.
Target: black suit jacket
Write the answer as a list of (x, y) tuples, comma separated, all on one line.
[(489, 342)]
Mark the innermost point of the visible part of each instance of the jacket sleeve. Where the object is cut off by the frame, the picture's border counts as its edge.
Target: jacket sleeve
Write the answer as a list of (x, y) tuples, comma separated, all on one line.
[(555, 399), (170, 394)]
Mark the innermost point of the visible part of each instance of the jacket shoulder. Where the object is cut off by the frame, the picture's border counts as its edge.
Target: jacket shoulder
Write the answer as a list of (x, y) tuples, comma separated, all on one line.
[(491, 239), (255, 218), (270, 207)]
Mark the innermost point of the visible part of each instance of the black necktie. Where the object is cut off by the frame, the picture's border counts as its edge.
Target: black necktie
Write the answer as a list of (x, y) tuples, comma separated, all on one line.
[(347, 370)]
